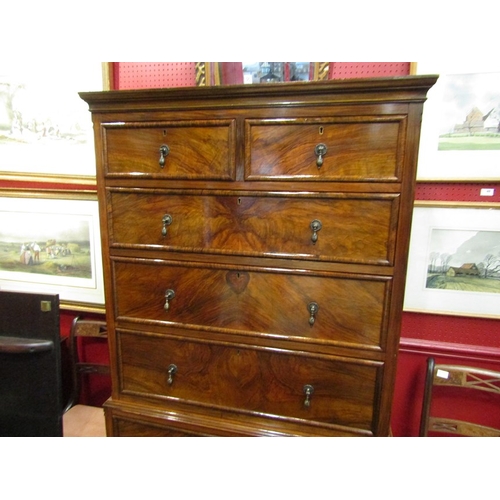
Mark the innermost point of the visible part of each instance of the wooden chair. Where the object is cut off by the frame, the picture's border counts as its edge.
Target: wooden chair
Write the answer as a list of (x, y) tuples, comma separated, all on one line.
[(83, 420), (464, 381)]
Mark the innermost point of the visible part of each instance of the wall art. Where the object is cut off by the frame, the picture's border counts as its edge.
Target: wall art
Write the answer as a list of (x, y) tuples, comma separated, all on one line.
[(45, 127), (460, 137), (230, 73), (50, 243), (454, 259)]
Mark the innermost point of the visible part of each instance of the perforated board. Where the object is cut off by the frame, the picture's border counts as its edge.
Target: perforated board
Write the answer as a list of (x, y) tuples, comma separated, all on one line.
[(471, 192), (145, 75), (368, 69), (467, 331)]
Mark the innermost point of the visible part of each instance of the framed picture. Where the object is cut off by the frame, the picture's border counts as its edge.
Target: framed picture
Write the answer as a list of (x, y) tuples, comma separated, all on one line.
[(50, 243), (45, 127), (230, 73), (460, 136), (454, 259)]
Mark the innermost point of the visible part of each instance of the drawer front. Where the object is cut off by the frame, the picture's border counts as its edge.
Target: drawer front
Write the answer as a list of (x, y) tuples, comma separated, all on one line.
[(357, 149), (130, 427), (318, 389), (191, 149), (349, 311), (357, 229)]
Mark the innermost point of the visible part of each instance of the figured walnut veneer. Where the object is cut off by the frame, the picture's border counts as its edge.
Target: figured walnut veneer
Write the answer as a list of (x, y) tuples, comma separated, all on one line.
[(255, 242)]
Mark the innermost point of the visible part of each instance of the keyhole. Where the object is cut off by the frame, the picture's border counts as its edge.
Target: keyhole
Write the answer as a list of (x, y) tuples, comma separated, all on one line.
[(239, 201), (321, 130), (164, 133)]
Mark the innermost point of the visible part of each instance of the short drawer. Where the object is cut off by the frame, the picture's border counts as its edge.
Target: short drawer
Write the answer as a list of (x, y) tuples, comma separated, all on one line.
[(191, 150), (312, 307), (357, 149), (343, 228), (260, 381)]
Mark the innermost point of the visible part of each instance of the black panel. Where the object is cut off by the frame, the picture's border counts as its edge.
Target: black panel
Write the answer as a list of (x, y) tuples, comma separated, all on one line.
[(30, 365)]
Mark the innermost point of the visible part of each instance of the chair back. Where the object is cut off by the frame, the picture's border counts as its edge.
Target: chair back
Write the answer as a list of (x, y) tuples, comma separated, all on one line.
[(463, 381), (82, 328)]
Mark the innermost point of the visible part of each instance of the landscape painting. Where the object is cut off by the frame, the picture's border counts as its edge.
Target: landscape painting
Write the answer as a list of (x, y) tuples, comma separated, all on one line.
[(51, 245), (454, 259), (464, 260), (460, 134), (470, 112), (45, 127)]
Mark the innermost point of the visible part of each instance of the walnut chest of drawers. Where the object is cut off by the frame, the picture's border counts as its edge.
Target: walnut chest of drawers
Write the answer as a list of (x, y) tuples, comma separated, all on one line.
[(255, 244)]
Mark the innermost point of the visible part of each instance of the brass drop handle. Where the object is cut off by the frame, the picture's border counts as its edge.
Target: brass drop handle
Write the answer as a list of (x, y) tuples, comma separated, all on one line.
[(164, 151), (313, 310), (165, 221), (169, 295), (308, 391), (320, 151), (172, 370), (315, 227)]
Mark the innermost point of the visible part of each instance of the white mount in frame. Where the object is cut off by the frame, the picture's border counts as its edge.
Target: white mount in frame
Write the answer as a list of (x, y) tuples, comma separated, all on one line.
[(50, 243), (46, 129), (460, 135), (454, 259)]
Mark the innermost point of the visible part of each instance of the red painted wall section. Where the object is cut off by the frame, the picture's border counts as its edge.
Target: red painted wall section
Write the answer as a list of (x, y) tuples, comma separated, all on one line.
[(145, 75), (469, 192), (473, 332), (31, 185), (368, 69)]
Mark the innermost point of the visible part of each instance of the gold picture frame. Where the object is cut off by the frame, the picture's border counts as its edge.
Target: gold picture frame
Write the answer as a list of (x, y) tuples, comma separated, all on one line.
[(460, 138), (46, 130), (50, 243), (453, 262), (209, 73)]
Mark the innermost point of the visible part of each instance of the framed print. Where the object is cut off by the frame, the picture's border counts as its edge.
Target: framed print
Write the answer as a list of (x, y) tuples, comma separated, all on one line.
[(454, 259), (50, 243), (460, 136), (45, 127), (230, 73)]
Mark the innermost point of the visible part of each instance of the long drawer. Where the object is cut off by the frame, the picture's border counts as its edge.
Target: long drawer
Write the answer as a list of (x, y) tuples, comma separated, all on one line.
[(361, 148), (330, 227), (312, 307), (133, 427), (182, 149), (260, 381)]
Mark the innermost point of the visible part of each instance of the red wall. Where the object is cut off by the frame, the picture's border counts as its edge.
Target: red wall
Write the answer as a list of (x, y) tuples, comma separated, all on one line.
[(457, 339)]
